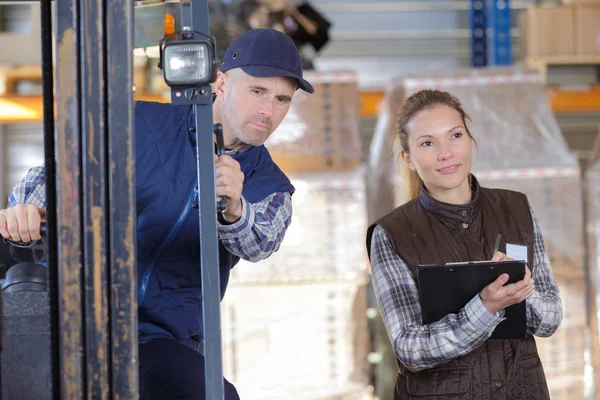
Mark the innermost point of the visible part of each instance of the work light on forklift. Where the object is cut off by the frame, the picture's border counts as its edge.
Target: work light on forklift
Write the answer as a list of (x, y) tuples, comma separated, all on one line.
[(189, 61), (186, 63)]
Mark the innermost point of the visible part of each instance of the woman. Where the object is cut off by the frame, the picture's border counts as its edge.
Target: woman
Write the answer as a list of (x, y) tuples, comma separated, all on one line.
[(451, 219)]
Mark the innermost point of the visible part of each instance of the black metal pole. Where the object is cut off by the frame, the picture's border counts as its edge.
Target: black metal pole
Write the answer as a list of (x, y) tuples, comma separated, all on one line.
[(50, 166), (209, 255), (198, 18)]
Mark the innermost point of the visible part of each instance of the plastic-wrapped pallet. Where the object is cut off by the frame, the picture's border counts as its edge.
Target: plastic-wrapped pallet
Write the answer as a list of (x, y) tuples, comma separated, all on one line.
[(555, 196), (294, 325), (325, 239), (321, 131), (520, 147), (593, 240), (305, 341)]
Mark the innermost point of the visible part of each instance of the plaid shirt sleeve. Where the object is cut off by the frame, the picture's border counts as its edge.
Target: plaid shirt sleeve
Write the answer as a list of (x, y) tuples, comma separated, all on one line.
[(31, 189), (544, 308), (418, 346), (260, 230)]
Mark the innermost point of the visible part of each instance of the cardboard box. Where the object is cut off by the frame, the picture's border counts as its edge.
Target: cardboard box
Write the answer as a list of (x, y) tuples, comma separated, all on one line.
[(587, 30), (547, 31), (140, 79), (321, 132), (580, 2)]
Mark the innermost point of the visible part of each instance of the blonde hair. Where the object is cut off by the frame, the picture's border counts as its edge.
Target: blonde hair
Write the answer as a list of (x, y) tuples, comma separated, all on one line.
[(416, 103)]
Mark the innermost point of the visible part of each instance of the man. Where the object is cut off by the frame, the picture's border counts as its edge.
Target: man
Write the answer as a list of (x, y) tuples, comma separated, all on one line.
[(259, 75)]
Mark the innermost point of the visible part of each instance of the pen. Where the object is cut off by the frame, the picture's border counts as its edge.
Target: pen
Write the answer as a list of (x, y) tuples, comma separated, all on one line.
[(497, 245)]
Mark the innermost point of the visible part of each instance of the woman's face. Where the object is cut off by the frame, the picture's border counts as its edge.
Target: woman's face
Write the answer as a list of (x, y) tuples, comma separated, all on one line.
[(440, 149)]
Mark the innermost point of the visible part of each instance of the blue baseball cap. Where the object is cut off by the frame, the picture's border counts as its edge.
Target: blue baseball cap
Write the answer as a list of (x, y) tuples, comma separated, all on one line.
[(265, 53)]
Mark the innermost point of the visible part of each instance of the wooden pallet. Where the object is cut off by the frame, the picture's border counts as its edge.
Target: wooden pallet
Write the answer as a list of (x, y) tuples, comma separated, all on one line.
[(541, 63)]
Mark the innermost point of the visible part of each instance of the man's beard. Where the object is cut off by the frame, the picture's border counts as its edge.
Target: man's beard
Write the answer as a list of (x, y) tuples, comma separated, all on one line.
[(242, 135)]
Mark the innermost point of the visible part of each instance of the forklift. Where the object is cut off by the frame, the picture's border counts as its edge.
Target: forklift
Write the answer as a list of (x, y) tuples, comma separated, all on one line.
[(69, 306)]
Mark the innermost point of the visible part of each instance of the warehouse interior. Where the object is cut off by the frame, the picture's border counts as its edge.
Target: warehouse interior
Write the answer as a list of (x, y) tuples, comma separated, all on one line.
[(530, 80)]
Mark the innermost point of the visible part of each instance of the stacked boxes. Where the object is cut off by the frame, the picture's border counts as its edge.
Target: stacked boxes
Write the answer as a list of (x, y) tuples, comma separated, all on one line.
[(322, 130), (579, 33), (587, 29), (539, 36), (294, 325), (520, 147)]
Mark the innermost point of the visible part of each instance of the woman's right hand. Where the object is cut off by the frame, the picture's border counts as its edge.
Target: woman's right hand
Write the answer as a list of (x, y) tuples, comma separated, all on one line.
[(496, 296), (22, 222)]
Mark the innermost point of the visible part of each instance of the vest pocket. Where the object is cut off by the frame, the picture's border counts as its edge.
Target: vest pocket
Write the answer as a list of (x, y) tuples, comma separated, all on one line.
[(531, 378), (440, 383)]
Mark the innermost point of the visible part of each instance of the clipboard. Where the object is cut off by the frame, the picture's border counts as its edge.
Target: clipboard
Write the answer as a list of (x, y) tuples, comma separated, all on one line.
[(445, 289)]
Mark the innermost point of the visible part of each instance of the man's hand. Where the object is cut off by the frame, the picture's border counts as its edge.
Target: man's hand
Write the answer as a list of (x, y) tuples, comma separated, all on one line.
[(21, 223), (230, 182), (496, 296)]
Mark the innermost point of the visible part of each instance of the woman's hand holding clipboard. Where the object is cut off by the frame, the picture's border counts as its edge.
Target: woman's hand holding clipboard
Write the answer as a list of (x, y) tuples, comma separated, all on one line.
[(498, 295), (501, 283)]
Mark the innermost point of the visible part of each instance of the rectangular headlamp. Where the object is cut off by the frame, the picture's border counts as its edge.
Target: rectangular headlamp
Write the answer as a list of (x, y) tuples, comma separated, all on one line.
[(188, 63)]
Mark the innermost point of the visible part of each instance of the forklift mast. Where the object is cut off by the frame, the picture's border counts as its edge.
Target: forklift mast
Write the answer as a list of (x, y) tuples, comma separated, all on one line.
[(91, 206)]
